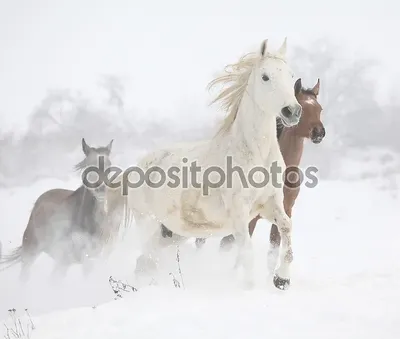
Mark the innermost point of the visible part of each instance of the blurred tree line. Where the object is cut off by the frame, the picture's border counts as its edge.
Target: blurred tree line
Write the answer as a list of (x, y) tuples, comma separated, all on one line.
[(353, 118)]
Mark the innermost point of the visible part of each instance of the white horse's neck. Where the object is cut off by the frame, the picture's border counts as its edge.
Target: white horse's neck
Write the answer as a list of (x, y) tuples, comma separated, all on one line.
[(255, 128)]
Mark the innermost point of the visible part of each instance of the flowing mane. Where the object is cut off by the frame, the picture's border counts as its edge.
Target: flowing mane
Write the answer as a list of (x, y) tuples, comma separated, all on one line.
[(234, 83)]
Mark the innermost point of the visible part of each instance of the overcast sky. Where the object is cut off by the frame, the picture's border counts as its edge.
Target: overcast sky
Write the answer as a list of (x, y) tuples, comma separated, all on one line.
[(167, 51)]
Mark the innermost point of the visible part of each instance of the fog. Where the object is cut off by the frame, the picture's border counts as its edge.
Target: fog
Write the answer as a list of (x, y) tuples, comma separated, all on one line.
[(137, 72), (359, 124)]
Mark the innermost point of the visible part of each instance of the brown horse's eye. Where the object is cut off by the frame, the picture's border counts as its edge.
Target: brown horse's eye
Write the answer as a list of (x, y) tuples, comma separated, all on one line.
[(265, 77)]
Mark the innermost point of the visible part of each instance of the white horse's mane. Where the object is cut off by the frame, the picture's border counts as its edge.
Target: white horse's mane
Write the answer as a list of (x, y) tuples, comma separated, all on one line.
[(234, 82)]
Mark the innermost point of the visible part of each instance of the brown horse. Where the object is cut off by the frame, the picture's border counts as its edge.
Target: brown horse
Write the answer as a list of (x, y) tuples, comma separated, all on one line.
[(67, 225), (291, 142)]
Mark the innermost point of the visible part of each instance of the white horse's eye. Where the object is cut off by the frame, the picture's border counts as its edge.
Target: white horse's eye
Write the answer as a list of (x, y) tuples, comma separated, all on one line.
[(265, 77)]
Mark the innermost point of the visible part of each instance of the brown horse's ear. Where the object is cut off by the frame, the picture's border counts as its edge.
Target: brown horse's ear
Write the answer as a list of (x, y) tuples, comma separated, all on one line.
[(109, 146), (85, 147), (297, 86), (316, 88)]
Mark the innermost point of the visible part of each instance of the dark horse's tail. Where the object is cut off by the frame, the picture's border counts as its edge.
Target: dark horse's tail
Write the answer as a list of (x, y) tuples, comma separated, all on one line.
[(279, 127), (11, 259)]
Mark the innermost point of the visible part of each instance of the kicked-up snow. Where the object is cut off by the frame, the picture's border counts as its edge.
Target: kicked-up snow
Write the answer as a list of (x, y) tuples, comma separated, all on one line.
[(345, 279)]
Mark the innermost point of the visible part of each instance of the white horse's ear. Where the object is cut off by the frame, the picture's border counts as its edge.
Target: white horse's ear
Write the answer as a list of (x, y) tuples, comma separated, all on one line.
[(282, 49), (263, 49), (85, 147), (109, 146), (316, 88)]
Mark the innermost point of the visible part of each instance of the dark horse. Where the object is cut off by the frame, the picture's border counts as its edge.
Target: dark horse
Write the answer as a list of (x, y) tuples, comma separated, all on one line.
[(69, 226), (291, 142)]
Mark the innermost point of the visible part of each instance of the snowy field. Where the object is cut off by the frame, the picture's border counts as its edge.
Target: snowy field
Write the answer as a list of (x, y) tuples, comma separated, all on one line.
[(345, 280), (137, 71)]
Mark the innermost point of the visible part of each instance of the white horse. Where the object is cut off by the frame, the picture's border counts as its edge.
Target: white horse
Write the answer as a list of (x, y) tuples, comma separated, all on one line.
[(257, 89)]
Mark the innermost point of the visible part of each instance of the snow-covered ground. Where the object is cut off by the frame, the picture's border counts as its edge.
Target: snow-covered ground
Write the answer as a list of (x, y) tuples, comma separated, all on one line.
[(345, 278)]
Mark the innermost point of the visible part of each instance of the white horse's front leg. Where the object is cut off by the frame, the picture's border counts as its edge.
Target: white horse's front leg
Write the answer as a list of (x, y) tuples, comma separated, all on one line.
[(245, 256), (277, 215), (272, 258)]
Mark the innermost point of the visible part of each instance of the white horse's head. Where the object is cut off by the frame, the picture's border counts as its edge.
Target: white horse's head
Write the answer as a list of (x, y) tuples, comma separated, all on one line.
[(268, 81), (272, 85)]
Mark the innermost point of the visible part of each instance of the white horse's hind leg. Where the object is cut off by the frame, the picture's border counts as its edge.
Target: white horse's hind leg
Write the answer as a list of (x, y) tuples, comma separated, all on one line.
[(245, 257), (276, 214)]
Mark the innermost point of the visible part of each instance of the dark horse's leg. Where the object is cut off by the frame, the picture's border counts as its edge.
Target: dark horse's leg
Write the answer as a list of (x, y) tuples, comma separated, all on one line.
[(29, 252), (200, 242), (60, 270), (26, 263), (226, 242)]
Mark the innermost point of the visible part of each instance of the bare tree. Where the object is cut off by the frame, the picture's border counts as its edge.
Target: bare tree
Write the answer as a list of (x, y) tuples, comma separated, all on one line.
[(113, 85)]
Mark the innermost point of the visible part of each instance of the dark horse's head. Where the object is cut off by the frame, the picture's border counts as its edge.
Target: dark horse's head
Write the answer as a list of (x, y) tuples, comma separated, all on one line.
[(310, 124), (97, 160)]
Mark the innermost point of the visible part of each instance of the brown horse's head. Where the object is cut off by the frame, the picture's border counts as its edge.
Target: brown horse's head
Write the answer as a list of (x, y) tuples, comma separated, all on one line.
[(310, 124)]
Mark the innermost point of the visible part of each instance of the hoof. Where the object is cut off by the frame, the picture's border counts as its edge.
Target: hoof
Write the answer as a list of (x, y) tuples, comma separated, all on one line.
[(280, 283)]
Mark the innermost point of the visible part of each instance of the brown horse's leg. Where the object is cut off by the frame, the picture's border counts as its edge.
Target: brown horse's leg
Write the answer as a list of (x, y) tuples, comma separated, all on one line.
[(252, 225), (29, 253)]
